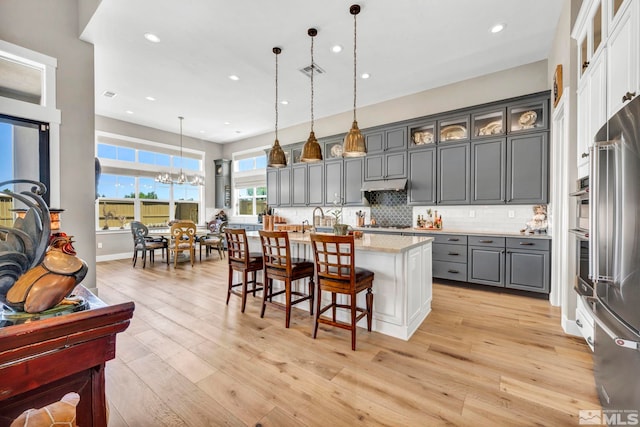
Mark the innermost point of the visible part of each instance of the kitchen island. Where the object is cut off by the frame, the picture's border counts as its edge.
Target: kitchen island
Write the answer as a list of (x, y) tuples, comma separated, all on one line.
[(402, 284)]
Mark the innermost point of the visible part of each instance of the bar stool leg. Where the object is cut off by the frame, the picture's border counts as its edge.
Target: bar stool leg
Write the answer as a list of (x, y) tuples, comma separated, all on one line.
[(230, 284), (312, 287), (287, 288), (353, 321), (333, 305), (245, 277), (266, 293), (315, 318), (369, 309)]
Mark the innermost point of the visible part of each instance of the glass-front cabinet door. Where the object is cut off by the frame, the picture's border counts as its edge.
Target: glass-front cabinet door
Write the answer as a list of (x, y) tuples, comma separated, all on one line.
[(488, 123), (528, 116), (454, 129), (422, 134)]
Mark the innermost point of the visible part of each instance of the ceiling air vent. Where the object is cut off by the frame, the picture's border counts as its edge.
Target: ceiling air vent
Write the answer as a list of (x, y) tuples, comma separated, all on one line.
[(109, 94), (307, 70)]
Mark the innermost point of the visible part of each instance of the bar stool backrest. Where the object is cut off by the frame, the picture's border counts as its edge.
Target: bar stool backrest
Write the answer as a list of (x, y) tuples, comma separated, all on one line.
[(334, 257), (276, 250), (237, 246)]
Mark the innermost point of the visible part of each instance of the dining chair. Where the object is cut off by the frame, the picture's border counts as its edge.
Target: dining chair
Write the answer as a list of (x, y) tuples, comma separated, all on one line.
[(279, 265), (336, 271), (214, 238), (183, 234), (244, 262), (144, 243)]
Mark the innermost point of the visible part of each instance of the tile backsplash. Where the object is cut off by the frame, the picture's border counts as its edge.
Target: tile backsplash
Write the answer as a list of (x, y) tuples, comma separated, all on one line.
[(390, 208)]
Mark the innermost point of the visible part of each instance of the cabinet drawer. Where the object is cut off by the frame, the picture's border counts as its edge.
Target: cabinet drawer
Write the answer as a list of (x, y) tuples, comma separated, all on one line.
[(450, 270), (448, 252), (583, 321), (524, 243), (452, 239), (486, 241)]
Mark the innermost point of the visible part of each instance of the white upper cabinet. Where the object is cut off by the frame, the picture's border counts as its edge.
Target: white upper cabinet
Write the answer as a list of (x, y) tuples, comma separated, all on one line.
[(622, 66)]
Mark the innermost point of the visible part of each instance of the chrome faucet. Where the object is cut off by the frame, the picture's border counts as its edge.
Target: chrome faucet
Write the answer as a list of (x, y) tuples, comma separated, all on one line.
[(313, 215)]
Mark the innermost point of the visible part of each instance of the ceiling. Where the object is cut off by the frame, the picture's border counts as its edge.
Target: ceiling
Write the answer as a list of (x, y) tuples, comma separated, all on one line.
[(407, 46)]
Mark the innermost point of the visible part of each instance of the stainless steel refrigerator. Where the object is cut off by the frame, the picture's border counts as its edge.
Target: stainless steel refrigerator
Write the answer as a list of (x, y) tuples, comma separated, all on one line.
[(614, 242)]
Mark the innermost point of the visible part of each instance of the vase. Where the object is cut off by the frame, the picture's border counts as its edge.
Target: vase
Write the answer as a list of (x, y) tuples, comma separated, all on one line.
[(340, 229)]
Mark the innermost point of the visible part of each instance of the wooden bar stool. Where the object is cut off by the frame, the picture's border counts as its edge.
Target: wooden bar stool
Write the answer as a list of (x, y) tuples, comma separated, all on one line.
[(278, 265), (243, 261), (337, 274)]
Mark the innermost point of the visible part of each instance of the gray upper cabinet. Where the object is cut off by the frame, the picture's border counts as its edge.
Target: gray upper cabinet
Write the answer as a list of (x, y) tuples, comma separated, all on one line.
[(353, 172), (284, 181), (385, 166), (528, 168), (315, 184), (386, 139), (332, 148), (453, 174), (422, 176), (333, 182), (299, 175), (453, 129), (488, 169), (223, 183), (272, 187)]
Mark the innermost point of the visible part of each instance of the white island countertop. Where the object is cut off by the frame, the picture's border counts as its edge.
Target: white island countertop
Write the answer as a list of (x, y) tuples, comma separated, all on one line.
[(368, 242)]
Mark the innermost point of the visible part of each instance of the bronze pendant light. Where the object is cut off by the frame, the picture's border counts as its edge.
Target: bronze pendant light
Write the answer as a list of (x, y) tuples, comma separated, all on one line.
[(311, 152), (277, 159), (354, 144)]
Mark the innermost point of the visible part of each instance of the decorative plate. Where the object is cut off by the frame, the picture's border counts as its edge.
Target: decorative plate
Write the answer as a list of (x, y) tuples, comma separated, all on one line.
[(336, 150), (527, 119), (421, 138), (453, 132), (491, 128)]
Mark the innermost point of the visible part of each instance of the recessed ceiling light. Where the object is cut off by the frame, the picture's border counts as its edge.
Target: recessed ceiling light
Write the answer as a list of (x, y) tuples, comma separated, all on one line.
[(150, 98), (227, 123), (234, 77), (109, 94), (284, 102), (497, 28), (336, 49), (201, 131), (238, 131), (129, 112), (365, 75), (152, 37)]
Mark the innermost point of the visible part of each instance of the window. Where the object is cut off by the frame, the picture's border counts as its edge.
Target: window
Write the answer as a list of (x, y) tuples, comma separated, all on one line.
[(251, 201), (250, 182), (130, 192)]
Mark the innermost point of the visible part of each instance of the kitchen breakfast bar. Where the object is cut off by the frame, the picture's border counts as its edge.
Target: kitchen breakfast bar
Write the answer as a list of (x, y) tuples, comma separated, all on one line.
[(402, 286)]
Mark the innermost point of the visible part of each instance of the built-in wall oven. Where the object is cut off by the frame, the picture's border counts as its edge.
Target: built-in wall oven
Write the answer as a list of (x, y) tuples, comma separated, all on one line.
[(584, 284)]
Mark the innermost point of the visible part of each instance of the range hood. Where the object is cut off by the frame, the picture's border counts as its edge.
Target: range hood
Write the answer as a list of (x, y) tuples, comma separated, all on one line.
[(384, 185)]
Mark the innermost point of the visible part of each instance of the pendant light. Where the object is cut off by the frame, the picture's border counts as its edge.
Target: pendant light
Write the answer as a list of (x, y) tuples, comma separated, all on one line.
[(311, 151), (354, 144), (182, 178), (277, 159)]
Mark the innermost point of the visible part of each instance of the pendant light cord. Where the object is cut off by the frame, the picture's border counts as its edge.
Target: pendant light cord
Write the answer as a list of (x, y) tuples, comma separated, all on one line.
[(276, 52), (313, 66), (181, 158), (354, 66)]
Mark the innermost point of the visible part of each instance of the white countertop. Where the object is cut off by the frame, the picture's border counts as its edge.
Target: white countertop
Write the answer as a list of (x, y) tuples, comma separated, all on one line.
[(368, 242)]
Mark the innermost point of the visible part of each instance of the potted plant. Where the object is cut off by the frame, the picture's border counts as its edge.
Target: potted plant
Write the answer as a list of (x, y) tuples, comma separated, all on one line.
[(339, 229)]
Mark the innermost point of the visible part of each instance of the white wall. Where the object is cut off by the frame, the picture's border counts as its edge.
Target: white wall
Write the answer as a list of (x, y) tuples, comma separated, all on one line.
[(51, 28)]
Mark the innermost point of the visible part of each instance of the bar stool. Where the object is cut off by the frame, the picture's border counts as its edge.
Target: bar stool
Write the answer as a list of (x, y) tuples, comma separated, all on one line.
[(243, 261), (278, 265), (337, 274)]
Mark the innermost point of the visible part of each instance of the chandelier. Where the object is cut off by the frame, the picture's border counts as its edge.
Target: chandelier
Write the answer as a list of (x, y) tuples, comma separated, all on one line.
[(167, 178)]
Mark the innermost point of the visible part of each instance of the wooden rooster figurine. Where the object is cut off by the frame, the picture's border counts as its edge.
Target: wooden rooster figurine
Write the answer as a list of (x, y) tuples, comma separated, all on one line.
[(37, 270)]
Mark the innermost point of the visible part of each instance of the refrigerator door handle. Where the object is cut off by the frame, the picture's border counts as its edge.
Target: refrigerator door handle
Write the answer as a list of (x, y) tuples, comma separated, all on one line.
[(633, 344), (594, 158)]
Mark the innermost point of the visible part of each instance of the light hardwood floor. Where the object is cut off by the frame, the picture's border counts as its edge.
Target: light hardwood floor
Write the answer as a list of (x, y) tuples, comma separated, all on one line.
[(480, 358)]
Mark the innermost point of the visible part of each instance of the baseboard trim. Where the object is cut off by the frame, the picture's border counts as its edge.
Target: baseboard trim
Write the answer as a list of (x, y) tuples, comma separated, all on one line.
[(113, 257)]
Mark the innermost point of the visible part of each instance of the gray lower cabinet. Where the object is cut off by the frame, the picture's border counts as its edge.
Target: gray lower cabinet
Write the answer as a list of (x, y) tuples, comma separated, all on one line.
[(272, 187), (486, 260), (422, 177), (528, 168), (333, 182), (528, 265), (453, 174), (353, 169), (449, 257), (488, 169), (315, 184), (284, 187)]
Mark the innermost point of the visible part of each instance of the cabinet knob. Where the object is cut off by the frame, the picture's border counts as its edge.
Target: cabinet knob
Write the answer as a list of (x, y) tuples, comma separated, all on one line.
[(453, 253), (628, 96), (526, 244), (453, 271), (585, 64), (486, 241), (452, 239), (583, 155)]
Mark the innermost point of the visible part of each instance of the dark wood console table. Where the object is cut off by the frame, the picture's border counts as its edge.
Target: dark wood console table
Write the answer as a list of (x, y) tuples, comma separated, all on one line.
[(42, 360)]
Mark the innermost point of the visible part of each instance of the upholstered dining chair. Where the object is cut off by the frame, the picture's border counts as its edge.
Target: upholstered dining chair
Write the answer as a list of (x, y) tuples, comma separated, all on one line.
[(244, 262), (183, 235), (214, 238), (279, 265), (336, 271), (143, 243)]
